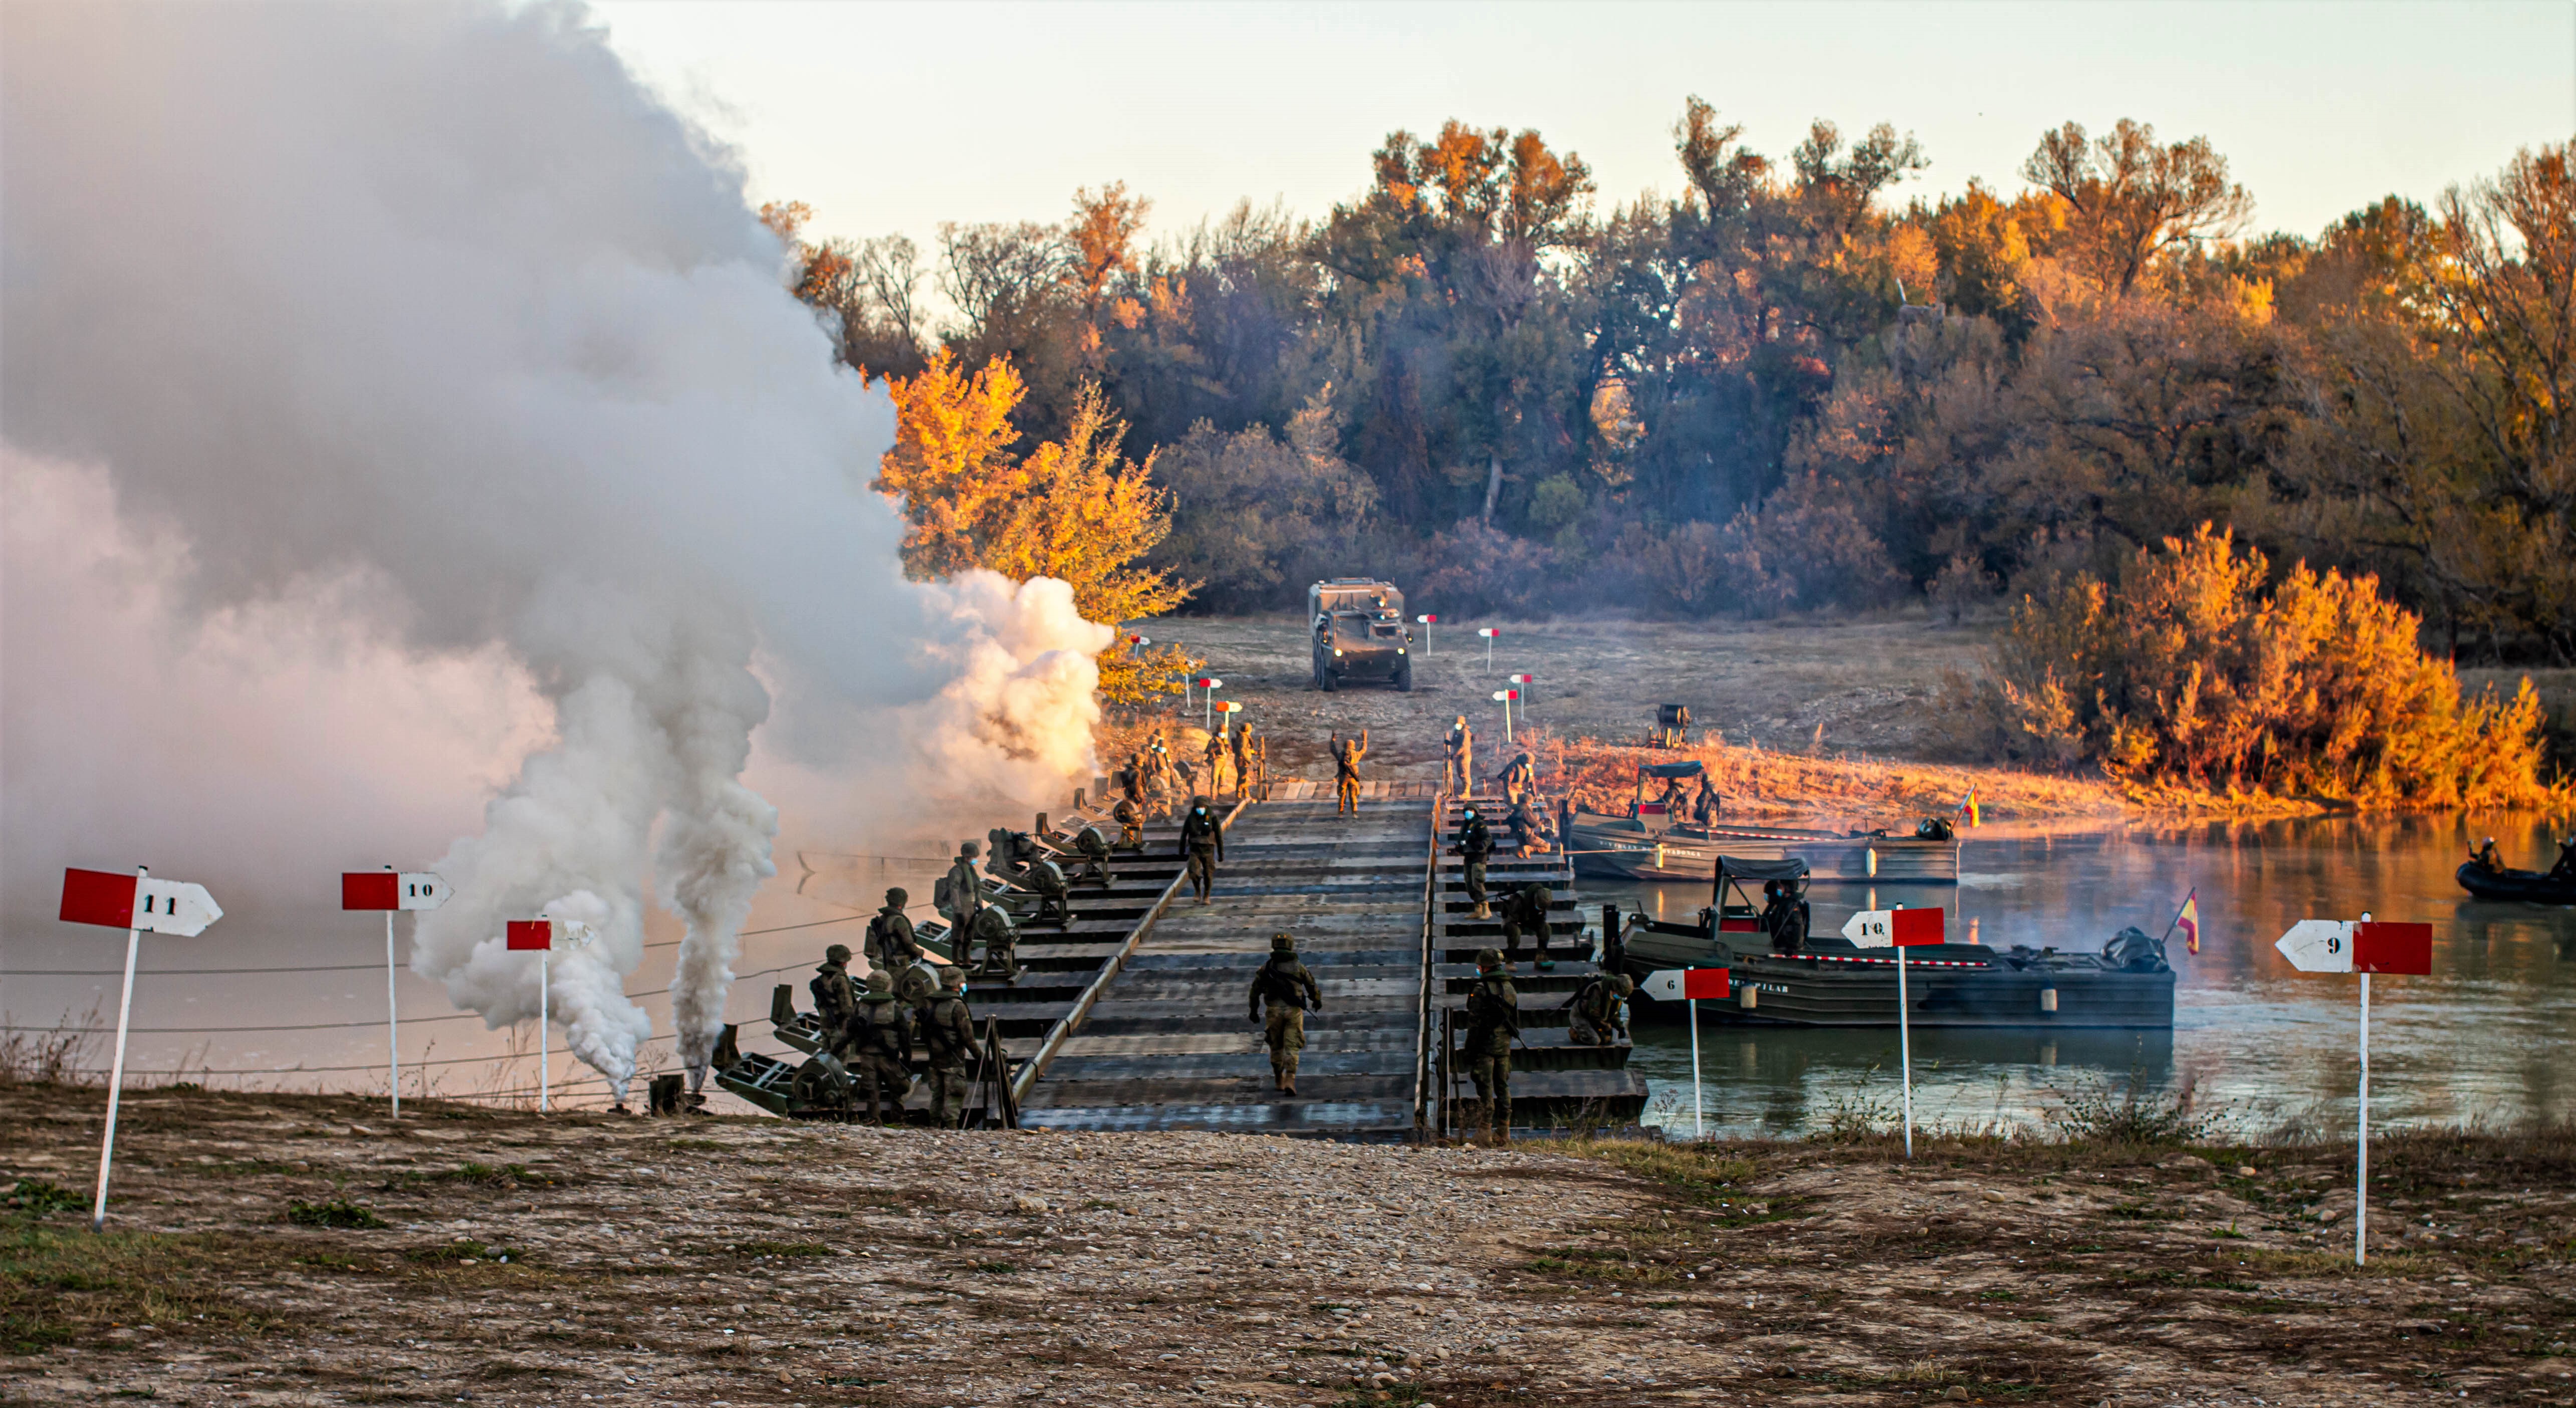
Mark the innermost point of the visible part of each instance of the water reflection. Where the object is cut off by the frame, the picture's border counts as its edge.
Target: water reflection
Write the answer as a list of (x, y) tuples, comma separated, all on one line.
[(2485, 1038)]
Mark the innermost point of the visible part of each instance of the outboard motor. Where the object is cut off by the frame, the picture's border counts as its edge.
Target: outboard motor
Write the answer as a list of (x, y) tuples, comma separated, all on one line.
[(1934, 828), (2132, 950)]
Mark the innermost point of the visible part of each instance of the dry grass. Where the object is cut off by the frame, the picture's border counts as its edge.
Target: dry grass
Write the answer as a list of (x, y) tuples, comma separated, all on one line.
[(1758, 781)]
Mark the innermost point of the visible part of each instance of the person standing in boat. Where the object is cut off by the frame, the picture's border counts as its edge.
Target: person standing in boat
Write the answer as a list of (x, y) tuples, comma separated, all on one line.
[(1782, 918), (1706, 807), (2486, 858)]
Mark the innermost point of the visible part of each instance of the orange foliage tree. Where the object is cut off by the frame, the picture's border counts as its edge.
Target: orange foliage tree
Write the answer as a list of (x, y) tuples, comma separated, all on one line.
[(2184, 673), (1074, 508)]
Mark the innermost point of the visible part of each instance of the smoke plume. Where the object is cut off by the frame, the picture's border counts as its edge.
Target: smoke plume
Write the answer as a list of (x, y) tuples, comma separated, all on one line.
[(413, 341)]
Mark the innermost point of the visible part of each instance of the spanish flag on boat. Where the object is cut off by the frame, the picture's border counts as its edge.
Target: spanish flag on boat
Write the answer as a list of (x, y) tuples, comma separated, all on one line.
[(2189, 921)]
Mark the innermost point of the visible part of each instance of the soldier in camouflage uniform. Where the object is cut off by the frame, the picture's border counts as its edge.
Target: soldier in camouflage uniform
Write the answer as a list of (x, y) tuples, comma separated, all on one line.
[(1526, 911), (1130, 817), (1217, 760), (1493, 1020), (1517, 779), (1598, 1015), (1347, 753), (881, 1049), (1241, 745), (1476, 846), (962, 894), (948, 1039), (1291, 992), (890, 944), (1203, 845), (834, 998), (1459, 777)]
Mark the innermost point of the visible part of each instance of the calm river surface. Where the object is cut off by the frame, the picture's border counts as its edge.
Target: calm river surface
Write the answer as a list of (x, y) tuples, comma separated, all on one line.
[(2490, 1037)]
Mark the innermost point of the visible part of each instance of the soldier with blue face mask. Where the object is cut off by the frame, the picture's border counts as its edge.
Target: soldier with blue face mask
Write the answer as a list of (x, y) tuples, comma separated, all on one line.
[(1202, 846)]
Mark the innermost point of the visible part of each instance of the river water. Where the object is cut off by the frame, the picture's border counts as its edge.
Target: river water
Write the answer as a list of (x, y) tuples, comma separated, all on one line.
[(2489, 1038)]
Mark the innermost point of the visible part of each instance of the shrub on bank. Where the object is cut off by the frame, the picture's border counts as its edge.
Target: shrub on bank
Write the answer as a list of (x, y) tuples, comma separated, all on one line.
[(2186, 675)]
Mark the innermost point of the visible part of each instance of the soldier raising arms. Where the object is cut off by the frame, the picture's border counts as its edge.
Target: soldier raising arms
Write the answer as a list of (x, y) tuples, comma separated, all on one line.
[(1346, 773), (1284, 983)]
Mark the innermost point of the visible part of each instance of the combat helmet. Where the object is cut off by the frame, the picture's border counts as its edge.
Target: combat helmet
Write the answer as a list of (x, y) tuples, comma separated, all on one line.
[(969, 850), (1283, 943), (1489, 960), (880, 982), (897, 898), (1623, 984), (837, 953), (952, 977)]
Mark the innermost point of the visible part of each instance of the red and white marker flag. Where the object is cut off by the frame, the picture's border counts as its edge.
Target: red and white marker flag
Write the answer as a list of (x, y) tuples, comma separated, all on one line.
[(529, 934), (139, 905), (1689, 985), (2365, 946), (1899, 928), (387, 889), (114, 900)]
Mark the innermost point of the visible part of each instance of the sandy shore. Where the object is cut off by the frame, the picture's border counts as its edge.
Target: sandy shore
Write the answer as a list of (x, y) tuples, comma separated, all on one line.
[(597, 1259)]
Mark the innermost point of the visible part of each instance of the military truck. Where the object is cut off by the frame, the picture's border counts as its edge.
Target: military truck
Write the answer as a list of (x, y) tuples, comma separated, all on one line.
[(1360, 635)]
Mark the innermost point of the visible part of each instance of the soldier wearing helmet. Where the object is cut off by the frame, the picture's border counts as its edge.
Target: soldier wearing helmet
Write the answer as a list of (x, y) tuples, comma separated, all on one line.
[(1493, 1021), (1290, 990), (890, 943), (834, 998), (1598, 1015), (881, 1048), (948, 1040)]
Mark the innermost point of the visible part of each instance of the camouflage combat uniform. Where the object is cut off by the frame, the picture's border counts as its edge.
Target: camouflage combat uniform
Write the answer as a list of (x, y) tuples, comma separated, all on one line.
[(1203, 845), (948, 1039), (1346, 773), (1526, 911), (881, 1049), (1597, 1016), (1476, 845), (834, 998), (890, 944), (1291, 992), (1493, 1020), (1460, 776), (1517, 779), (963, 894)]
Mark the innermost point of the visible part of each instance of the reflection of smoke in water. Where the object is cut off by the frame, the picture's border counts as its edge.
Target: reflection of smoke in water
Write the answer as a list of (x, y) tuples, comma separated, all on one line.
[(470, 351)]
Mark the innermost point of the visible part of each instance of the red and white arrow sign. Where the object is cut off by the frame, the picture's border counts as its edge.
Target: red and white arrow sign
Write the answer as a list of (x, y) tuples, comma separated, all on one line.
[(1229, 707), (1680, 984), (1507, 694), (386, 889), (1209, 682), (117, 901), (1487, 632), (2344, 946), (1903, 928), (1524, 679), (1426, 620)]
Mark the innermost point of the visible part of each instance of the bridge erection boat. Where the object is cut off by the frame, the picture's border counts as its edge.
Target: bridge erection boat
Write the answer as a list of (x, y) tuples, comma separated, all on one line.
[(1654, 842), (1783, 975)]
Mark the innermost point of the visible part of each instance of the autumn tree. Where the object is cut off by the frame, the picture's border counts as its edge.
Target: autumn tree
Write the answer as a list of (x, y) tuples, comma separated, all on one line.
[(2131, 200), (1074, 508)]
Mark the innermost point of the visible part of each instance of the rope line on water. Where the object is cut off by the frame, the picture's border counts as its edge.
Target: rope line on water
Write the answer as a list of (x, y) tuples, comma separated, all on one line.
[(367, 967), (371, 1066)]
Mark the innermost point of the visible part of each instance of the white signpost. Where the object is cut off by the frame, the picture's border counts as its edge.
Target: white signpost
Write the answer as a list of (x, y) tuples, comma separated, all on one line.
[(1488, 633), (1505, 698), (138, 904), (390, 891), (1900, 929), (1520, 682), (2364, 947), (1427, 623), (1677, 984), (1211, 684), (541, 934)]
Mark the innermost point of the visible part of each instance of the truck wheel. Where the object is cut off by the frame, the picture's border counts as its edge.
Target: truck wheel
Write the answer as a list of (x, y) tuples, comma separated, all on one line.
[(1404, 677)]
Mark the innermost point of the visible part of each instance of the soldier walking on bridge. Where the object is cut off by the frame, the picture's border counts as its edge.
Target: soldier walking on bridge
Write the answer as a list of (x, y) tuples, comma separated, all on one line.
[(1216, 758), (1346, 773), (1459, 779), (1290, 990), (1493, 1021), (1240, 743), (881, 1044), (1476, 846), (1202, 846)]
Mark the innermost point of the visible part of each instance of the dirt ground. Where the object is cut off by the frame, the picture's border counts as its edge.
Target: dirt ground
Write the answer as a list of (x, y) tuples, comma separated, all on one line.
[(307, 1250), (1867, 683)]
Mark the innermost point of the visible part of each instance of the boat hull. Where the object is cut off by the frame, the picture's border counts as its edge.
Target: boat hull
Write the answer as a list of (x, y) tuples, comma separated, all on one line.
[(1952, 985), (1617, 847), (2526, 886)]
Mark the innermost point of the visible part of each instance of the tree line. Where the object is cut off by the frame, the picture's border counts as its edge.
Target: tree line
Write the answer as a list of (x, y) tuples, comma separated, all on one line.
[(1786, 388)]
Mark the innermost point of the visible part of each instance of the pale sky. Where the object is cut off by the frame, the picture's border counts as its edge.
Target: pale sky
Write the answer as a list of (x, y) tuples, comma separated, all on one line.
[(893, 117)]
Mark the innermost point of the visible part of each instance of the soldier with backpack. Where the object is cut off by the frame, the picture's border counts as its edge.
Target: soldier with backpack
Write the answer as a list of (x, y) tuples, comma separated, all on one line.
[(880, 1047), (1290, 991), (891, 944), (1493, 1022), (948, 1039)]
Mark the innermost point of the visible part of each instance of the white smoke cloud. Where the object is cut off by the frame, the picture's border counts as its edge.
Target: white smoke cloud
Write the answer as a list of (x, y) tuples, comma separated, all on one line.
[(429, 328)]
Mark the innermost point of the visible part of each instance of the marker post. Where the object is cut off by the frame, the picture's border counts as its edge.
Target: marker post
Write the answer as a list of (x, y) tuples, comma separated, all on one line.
[(1488, 633), (388, 891), (1900, 928), (1521, 682), (1427, 622), (136, 903), (1505, 698), (2365, 947), (1690, 984), (1211, 684)]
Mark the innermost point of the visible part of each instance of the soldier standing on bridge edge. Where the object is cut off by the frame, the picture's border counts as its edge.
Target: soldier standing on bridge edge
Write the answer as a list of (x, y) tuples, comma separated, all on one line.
[(960, 894), (1476, 843), (1203, 845), (1346, 773), (890, 944), (1460, 777), (834, 998), (1291, 993), (1493, 1020), (948, 1038), (880, 1040)]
